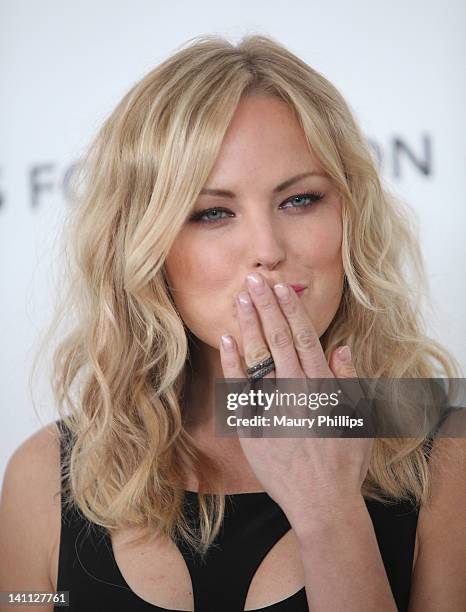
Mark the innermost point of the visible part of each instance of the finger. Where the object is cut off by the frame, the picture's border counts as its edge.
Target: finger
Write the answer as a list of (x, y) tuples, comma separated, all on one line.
[(232, 368), (306, 341), (255, 348), (341, 363), (277, 331), (342, 366), (230, 358), (231, 365)]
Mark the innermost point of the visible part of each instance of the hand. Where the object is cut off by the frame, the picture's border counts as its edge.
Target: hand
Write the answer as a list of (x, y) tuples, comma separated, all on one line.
[(305, 476)]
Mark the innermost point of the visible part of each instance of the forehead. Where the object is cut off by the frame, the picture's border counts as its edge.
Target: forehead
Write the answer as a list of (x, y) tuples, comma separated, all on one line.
[(265, 121), (263, 138)]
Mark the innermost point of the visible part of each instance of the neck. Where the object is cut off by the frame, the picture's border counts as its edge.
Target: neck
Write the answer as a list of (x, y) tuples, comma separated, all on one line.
[(203, 368), (199, 406)]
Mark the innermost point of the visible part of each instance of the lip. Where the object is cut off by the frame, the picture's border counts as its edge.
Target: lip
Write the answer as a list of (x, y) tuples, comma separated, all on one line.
[(298, 287)]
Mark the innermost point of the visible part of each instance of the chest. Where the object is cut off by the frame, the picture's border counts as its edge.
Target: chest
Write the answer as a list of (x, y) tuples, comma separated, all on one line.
[(156, 571)]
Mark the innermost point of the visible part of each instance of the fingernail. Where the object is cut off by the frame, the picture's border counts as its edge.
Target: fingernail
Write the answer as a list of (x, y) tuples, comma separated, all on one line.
[(227, 343), (344, 353), (282, 292), (244, 300), (255, 282)]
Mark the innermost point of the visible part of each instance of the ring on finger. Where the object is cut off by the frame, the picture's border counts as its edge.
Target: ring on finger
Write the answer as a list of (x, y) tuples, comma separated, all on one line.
[(260, 369)]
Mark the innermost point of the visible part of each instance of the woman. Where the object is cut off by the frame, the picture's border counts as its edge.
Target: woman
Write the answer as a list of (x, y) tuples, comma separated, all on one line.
[(232, 223)]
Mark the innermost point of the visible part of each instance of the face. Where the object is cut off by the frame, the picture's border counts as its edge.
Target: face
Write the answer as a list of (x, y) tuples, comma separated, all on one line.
[(290, 231)]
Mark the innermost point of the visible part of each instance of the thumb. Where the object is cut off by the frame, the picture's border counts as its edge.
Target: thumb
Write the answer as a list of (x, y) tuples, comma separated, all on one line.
[(341, 363)]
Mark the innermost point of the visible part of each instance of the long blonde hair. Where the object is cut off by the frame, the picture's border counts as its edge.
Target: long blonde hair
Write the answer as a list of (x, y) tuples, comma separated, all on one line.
[(119, 374)]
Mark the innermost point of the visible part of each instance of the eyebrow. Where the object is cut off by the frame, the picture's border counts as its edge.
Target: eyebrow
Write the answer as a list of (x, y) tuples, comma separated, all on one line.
[(281, 187)]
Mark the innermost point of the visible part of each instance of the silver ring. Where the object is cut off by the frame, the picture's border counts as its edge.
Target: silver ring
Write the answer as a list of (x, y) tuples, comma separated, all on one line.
[(259, 370)]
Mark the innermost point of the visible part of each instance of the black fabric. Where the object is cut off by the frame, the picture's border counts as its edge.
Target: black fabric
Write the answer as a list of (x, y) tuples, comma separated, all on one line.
[(253, 523)]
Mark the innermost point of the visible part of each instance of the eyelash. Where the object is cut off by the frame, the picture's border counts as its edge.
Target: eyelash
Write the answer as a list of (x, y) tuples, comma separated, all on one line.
[(314, 196)]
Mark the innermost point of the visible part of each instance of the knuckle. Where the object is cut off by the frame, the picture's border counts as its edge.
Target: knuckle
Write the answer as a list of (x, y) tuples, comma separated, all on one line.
[(305, 339), (280, 338), (249, 317), (292, 308), (267, 305), (256, 354)]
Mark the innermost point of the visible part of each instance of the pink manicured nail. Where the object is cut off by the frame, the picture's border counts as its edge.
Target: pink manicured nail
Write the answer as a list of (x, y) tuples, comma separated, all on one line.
[(228, 343), (244, 300), (282, 292), (255, 282)]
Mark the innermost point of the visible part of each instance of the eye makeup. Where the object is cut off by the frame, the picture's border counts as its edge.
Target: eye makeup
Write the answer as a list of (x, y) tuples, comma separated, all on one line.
[(312, 197)]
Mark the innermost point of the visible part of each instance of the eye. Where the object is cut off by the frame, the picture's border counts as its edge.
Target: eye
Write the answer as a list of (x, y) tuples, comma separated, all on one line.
[(214, 211), (307, 199), (311, 198)]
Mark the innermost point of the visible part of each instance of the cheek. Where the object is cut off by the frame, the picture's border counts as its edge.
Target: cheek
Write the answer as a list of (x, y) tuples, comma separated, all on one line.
[(322, 258), (195, 267), (322, 246), (197, 273)]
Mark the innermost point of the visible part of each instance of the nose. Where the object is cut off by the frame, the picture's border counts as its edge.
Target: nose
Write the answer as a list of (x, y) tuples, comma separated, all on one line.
[(266, 245)]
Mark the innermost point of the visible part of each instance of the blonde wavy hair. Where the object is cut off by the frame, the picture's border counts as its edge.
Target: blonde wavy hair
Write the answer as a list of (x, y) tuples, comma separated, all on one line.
[(119, 373)]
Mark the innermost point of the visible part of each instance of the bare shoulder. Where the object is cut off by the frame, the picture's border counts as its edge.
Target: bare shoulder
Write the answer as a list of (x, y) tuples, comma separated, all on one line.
[(30, 513), (439, 579)]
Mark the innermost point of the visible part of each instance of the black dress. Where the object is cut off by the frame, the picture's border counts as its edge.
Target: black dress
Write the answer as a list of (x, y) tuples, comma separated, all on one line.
[(253, 523)]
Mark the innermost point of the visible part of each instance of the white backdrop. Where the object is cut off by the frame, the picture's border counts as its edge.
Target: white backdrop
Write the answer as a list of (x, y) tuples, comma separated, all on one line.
[(65, 65)]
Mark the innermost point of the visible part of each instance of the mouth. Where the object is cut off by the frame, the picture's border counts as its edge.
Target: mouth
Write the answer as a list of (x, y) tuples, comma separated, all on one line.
[(299, 289)]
